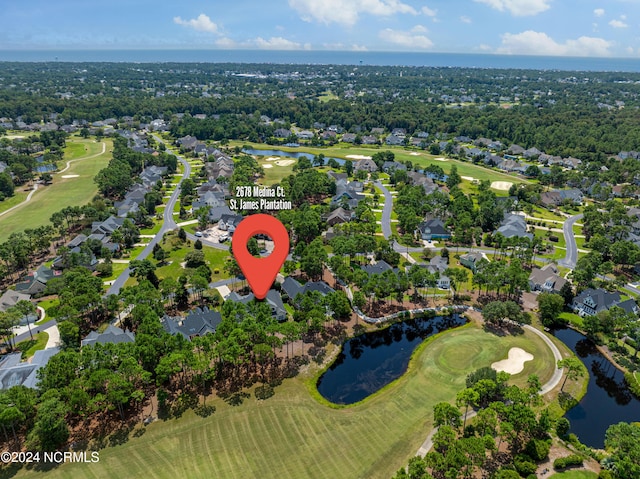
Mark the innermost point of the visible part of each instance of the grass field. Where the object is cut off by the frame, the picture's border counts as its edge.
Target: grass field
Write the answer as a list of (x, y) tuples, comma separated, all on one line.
[(63, 192), (575, 475), (276, 173), (292, 435), (401, 154), (29, 347)]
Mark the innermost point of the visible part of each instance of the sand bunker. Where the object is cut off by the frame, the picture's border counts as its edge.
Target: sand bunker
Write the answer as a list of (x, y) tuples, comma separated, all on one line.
[(468, 178), (440, 159), (272, 158), (501, 185), (285, 162), (514, 363), (359, 157), (414, 153), (69, 176), (267, 166)]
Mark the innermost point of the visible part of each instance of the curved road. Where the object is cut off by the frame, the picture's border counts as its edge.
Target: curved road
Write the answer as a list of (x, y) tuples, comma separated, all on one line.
[(546, 387), (35, 185), (571, 256), (386, 210), (168, 224)]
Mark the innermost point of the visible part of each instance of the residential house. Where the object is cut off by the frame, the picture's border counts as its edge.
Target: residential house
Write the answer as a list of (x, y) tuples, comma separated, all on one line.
[(282, 133), (346, 192), (592, 301), (187, 142), (394, 140), (433, 229), (10, 298), (369, 140), (531, 153), (419, 179), (13, 372), (107, 226), (349, 137), (389, 166), (273, 299), (292, 288), (338, 216), (546, 279), (198, 322), (304, 135), (36, 282), (112, 335), (515, 150), (229, 222), (366, 164), (514, 226), (377, 268), (471, 260)]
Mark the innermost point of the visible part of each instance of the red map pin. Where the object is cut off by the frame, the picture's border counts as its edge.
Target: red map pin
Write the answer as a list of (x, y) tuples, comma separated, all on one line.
[(260, 272)]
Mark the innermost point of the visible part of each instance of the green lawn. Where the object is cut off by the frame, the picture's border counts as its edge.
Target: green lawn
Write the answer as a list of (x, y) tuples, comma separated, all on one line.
[(573, 318), (276, 173), (63, 192), (19, 195), (293, 435), (29, 347), (575, 475), (153, 230), (214, 258), (421, 158)]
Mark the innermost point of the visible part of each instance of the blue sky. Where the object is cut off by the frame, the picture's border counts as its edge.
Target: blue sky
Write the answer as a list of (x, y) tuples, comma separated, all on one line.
[(543, 27)]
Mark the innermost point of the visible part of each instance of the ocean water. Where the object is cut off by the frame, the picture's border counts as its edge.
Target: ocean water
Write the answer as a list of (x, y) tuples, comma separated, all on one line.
[(328, 58)]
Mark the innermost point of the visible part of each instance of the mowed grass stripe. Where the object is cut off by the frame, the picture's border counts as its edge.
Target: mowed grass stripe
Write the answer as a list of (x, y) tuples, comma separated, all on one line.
[(63, 192), (291, 435)]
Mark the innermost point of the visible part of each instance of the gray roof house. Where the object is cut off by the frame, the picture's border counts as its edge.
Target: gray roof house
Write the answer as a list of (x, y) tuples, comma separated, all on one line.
[(366, 164), (377, 268), (16, 373), (592, 301), (36, 282), (433, 228), (197, 323), (514, 225), (112, 334), (273, 299), (292, 288), (546, 279)]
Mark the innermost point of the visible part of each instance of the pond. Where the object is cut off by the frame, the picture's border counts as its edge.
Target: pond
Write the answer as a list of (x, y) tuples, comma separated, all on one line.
[(608, 399), (289, 154), (372, 360)]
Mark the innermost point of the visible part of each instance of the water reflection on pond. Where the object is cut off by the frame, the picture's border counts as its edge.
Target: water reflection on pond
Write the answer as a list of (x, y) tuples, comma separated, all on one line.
[(371, 361), (608, 399)]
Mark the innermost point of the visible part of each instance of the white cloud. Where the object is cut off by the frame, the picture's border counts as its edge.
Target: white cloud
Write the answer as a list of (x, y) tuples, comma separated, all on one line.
[(405, 39), (539, 43), (598, 12), (519, 8), (358, 48), (465, 19), (618, 24), (279, 43), (202, 23), (419, 29), (347, 12), (225, 42), (429, 12), (483, 47)]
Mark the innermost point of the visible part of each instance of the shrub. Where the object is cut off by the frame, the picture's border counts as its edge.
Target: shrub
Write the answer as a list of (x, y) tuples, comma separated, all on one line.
[(562, 427), (564, 462), (553, 239), (538, 449), (524, 465), (605, 474), (633, 384)]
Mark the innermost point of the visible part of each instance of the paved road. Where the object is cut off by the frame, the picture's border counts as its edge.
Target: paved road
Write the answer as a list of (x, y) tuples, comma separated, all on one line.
[(168, 224), (546, 387), (386, 211), (571, 256), (34, 329)]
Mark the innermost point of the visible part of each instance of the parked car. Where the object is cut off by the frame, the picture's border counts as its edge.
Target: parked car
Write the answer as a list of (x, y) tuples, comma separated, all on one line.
[(198, 234)]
